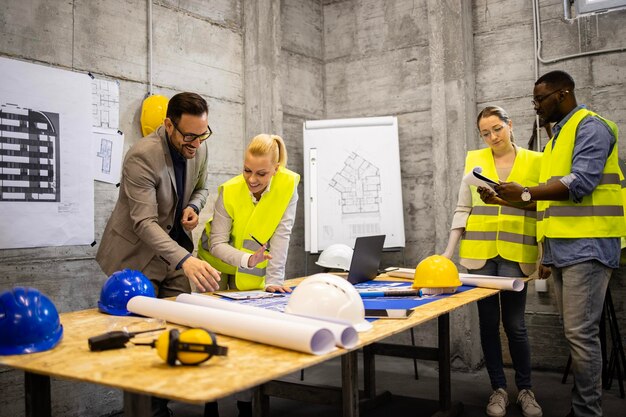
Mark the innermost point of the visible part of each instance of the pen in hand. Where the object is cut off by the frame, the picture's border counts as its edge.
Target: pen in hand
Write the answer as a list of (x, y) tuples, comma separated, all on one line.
[(257, 241)]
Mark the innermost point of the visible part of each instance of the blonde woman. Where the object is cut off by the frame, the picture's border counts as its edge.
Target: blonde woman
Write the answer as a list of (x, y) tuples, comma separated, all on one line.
[(248, 237)]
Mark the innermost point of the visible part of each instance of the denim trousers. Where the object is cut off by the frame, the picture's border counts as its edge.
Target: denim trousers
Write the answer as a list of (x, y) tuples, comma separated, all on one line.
[(511, 305), (580, 291)]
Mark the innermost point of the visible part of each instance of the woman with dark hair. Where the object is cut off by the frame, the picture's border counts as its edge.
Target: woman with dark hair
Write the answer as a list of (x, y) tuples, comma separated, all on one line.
[(498, 238)]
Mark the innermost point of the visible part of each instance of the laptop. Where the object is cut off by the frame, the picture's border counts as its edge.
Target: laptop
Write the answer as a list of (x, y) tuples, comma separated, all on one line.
[(366, 258)]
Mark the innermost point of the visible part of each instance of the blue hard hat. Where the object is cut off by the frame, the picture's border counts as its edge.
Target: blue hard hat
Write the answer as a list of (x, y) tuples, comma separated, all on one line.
[(29, 322), (120, 288)]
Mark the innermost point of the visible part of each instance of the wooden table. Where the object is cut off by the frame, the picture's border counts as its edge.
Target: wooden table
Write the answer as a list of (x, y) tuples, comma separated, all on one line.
[(140, 373)]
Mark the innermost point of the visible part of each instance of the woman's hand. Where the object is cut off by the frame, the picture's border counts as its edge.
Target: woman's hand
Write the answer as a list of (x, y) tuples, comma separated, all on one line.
[(277, 288), (488, 196), (259, 256)]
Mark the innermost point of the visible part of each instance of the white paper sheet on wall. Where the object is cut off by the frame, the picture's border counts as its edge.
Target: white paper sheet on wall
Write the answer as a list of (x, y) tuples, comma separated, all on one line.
[(46, 179), (105, 102), (108, 151)]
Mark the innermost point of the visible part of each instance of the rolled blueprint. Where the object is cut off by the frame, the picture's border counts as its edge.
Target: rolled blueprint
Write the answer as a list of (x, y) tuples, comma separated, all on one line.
[(302, 337), (483, 281), (345, 334), (490, 281)]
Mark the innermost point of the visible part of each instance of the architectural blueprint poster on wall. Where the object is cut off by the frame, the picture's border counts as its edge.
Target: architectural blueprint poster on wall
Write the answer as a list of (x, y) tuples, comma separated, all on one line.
[(46, 180), (352, 182)]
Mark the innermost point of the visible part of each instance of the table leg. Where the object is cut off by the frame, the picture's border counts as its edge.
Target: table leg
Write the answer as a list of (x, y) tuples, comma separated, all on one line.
[(369, 372), (446, 407), (260, 403), (350, 384), (37, 395), (137, 405), (445, 389)]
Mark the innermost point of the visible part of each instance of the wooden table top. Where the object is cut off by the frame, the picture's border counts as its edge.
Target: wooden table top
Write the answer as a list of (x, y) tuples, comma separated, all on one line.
[(138, 369)]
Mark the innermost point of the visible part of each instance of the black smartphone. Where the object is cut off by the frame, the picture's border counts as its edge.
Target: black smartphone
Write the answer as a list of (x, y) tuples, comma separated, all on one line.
[(389, 313)]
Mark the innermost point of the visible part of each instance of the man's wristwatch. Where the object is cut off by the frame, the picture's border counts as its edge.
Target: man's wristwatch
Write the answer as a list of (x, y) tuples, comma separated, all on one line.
[(526, 195)]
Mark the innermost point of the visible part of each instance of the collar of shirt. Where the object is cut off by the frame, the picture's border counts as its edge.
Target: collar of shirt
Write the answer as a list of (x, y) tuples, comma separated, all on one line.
[(267, 189), (177, 158), (557, 127)]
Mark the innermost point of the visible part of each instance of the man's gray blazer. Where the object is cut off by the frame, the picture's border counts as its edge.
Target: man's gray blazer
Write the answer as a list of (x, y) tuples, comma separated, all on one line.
[(137, 233)]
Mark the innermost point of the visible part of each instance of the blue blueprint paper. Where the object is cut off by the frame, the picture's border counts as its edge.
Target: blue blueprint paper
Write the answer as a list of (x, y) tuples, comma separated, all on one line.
[(399, 302), (279, 303)]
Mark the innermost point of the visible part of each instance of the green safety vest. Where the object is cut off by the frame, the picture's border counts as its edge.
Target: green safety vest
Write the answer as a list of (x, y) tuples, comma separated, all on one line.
[(599, 214), (494, 230), (259, 220)]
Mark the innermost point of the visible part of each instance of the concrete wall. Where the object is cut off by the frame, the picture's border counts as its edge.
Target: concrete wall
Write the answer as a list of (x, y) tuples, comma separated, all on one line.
[(196, 48), (268, 65)]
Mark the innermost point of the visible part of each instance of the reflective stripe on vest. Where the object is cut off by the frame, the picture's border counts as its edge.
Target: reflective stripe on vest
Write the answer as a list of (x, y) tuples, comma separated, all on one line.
[(260, 221), (493, 230), (599, 214)]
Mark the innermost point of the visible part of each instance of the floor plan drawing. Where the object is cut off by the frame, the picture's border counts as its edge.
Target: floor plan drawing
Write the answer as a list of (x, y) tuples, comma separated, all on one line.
[(29, 154), (352, 182), (105, 153), (45, 156), (105, 101), (359, 185)]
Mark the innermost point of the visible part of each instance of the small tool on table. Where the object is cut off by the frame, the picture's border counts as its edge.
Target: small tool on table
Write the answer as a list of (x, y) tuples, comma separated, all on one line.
[(392, 293), (114, 340)]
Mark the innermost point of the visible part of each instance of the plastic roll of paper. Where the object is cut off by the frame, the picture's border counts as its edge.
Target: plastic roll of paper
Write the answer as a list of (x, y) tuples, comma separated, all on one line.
[(490, 281), (345, 334), (296, 336)]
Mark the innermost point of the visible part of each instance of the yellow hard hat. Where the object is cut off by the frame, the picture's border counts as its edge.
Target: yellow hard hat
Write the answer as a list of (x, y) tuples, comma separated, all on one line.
[(190, 347), (153, 112), (436, 274)]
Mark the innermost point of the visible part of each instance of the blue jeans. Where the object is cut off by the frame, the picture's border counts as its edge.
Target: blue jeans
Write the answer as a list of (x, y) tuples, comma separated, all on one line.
[(512, 305), (580, 291)]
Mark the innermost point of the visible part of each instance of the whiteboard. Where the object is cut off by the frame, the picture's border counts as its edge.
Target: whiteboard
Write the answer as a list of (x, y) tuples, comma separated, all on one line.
[(352, 182)]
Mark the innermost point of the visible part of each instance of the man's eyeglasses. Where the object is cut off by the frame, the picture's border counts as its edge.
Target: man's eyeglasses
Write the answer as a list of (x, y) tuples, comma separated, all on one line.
[(538, 100), (190, 138)]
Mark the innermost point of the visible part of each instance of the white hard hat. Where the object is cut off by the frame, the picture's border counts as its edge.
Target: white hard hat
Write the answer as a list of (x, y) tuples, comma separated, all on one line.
[(337, 256), (327, 296)]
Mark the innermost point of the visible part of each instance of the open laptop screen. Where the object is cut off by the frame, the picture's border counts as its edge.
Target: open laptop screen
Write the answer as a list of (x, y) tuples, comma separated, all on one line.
[(366, 258)]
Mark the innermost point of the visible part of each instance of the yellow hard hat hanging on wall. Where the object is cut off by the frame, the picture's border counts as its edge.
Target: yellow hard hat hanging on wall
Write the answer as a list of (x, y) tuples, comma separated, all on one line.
[(153, 112)]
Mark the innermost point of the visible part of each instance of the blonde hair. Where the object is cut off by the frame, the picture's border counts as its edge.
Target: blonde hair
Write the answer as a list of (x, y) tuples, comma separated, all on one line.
[(272, 145)]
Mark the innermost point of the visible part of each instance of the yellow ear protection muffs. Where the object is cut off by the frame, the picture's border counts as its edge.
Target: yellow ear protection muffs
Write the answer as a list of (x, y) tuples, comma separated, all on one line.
[(190, 347)]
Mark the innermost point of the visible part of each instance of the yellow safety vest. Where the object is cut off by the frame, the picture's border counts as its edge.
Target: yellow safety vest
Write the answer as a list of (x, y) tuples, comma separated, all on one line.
[(494, 230), (260, 221), (599, 214)]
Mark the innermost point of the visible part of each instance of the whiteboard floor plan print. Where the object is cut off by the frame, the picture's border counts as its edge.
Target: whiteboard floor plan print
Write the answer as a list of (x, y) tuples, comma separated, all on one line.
[(29, 154), (359, 185)]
